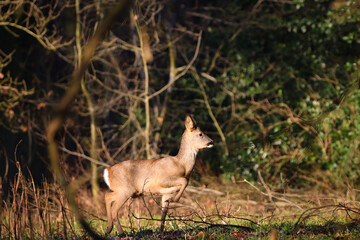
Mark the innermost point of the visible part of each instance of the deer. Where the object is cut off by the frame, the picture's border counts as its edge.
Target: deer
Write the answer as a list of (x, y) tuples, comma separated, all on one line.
[(167, 177)]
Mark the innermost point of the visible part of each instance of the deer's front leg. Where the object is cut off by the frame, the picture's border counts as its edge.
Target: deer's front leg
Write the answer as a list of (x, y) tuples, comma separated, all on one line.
[(184, 183), (164, 208), (176, 183)]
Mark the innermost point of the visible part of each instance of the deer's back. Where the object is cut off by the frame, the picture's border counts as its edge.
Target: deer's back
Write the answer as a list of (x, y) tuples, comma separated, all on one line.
[(144, 175)]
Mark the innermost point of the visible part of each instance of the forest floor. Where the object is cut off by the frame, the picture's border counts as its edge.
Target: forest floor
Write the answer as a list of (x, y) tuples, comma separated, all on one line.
[(247, 211), (220, 211)]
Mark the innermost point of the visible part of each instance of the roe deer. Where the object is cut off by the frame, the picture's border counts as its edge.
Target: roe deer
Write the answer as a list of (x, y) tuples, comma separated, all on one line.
[(166, 176)]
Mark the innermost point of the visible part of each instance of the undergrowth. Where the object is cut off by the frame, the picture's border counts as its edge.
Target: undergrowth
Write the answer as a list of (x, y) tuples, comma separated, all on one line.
[(240, 210)]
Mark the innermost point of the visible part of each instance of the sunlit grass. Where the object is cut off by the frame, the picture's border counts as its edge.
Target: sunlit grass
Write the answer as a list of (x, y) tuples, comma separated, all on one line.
[(222, 211)]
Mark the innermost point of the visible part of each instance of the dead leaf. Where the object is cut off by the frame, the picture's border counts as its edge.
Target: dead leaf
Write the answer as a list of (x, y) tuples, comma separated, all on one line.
[(160, 119), (23, 128), (274, 234), (200, 235), (40, 105)]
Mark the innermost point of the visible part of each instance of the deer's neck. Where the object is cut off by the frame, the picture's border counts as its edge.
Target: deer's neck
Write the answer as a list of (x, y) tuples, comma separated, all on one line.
[(187, 155)]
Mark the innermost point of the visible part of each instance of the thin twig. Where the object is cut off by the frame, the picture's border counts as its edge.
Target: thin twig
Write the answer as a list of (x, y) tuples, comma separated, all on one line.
[(203, 222), (211, 114), (279, 198), (183, 72), (266, 187), (84, 157), (67, 100)]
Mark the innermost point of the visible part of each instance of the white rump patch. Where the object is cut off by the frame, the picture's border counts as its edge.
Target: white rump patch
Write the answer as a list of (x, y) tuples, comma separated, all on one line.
[(106, 177)]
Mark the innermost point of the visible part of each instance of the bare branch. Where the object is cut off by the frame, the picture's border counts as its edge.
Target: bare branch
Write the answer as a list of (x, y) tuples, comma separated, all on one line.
[(188, 66)]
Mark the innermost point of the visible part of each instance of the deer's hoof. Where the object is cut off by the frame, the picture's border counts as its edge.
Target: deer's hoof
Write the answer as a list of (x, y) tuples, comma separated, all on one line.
[(108, 230)]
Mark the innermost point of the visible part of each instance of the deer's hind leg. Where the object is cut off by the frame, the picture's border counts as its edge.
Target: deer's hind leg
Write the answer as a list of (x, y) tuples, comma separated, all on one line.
[(121, 199), (110, 197), (114, 201)]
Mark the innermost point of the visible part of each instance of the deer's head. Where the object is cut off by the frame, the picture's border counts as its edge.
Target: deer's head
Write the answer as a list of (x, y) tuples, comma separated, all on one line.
[(195, 137)]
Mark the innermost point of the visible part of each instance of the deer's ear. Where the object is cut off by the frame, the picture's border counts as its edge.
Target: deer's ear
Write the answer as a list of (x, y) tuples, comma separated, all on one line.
[(190, 123)]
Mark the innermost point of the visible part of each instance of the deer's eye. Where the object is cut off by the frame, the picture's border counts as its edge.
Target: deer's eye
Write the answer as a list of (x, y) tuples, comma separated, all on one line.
[(200, 134)]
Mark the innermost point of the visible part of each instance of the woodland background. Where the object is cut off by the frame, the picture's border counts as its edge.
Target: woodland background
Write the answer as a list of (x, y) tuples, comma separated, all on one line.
[(275, 84)]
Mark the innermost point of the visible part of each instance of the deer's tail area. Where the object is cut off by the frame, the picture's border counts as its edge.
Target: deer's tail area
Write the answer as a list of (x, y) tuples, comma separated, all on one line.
[(106, 177)]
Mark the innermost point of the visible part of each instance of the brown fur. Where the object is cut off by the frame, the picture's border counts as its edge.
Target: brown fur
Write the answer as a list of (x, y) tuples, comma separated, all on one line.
[(166, 176)]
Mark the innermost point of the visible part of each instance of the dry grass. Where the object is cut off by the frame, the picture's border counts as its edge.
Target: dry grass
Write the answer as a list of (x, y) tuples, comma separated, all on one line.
[(236, 210)]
